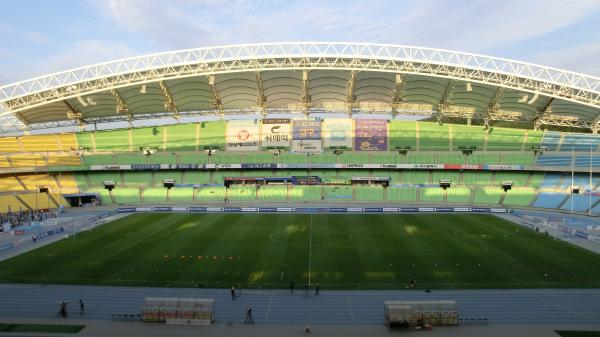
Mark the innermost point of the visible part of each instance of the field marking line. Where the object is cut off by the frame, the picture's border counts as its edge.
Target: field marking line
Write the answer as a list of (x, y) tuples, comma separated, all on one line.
[(309, 248), (269, 306), (350, 306)]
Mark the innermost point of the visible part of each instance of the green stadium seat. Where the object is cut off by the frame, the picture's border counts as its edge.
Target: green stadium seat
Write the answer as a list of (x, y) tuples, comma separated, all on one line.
[(337, 193), (272, 193), (415, 177), (214, 194), (505, 139), (196, 177), (124, 195), (520, 197), (402, 134), (402, 194), (181, 137), (458, 195), (181, 194), (489, 195), (241, 193), (464, 135), (477, 178), (305, 193), (369, 193), (433, 137), (450, 158), (432, 194), (155, 195)]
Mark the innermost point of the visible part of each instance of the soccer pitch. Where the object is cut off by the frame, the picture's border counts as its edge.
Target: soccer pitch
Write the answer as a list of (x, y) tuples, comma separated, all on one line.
[(340, 251)]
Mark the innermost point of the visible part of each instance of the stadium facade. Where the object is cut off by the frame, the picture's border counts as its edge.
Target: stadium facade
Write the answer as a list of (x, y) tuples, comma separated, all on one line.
[(254, 122)]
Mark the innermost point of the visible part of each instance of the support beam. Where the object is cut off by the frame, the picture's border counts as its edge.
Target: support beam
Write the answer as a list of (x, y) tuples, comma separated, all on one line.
[(398, 94), (543, 112), (350, 97), (444, 105), (595, 126), (216, 98), (306, 99), (169, 101), (121, 105), (73, 114), (493, 107), (262, 98)]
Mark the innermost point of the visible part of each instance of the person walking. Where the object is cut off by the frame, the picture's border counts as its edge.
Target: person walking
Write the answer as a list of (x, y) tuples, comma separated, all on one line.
[(81, 307), (249, 319), (317, 288), (306, 286), (63, 309), (292, 284), (232, 291)]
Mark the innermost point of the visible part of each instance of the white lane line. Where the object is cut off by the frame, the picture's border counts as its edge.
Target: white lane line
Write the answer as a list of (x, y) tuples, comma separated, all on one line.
[(309, 248), (269, 306), (350, 306)]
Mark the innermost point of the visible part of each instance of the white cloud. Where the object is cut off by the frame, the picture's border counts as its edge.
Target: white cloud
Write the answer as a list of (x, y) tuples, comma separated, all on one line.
[(82, 53), (477, 25), (583, 58)]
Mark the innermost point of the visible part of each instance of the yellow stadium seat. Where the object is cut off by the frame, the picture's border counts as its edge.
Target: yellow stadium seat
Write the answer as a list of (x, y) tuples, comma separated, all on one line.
[(27, 160), (67, 141), (4, 162), (10, 184), (64, 160), (10, 202), (67, 183), (9, 144), (39, 143), (33, 181), (37, 200)]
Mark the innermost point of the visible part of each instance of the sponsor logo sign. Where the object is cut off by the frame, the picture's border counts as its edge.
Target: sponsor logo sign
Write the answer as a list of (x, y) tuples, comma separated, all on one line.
[(370, 135), (337, 132), (275, 132), (242, 135)]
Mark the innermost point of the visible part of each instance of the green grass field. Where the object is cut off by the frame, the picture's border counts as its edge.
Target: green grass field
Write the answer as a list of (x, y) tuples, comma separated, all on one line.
[(341, 251)]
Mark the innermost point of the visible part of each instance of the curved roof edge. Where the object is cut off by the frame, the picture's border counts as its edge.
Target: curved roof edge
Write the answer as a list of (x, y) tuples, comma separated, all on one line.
[(500, 72)]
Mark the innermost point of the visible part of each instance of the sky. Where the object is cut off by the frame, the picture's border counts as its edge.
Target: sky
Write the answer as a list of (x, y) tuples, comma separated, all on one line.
[(38, 37)]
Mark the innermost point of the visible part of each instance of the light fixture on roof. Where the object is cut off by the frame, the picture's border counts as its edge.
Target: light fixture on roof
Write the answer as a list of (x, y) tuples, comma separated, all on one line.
[(82, 101), (524, 98), (469, 87), (533, 99), (143, 89)]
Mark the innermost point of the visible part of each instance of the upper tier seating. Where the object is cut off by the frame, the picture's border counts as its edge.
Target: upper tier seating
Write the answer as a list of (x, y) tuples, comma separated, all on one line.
[(549, 200), (520, 197)]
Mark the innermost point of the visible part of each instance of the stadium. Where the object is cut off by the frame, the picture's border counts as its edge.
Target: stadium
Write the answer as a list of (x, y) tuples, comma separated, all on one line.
[(368, 172)]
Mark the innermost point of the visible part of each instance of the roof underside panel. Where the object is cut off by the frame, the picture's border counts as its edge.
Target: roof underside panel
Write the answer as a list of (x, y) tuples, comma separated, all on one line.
[(191, 93), (56, 111)]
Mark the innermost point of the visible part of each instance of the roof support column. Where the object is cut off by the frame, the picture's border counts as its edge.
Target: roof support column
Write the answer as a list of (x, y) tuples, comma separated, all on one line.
[(350, 97), (262, 98), (398, 94), (444, 105), (493, 107), (121, 105), (216, 99), (306, 99), (543, 112), (169, 101)]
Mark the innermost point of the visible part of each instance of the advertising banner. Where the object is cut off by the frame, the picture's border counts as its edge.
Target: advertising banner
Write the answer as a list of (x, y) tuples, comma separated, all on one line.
[(275, 133), (243, 135), (337, 133), (370, 135), (306, 137)]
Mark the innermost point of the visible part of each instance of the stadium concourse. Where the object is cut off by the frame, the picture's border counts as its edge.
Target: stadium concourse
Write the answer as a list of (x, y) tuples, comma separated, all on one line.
[(303, 128)]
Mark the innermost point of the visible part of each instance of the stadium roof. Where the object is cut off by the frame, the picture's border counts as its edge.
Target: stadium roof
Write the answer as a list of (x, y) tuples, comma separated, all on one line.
[(303, 78)]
